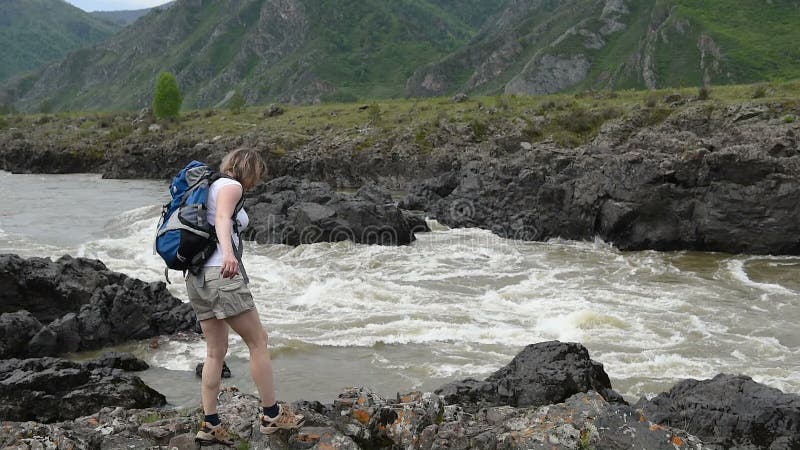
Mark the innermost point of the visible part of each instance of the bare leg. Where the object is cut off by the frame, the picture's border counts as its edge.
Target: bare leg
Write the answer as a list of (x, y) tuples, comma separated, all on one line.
[(249, 327), (216, 333)]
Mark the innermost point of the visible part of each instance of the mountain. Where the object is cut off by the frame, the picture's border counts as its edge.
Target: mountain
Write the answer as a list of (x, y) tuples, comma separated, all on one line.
[(287, 50), (125, 17), (35, 32), (307, 51), (546, 46)]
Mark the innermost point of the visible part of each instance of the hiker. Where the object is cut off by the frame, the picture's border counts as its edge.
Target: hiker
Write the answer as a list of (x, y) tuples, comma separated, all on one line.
[(220, 297)]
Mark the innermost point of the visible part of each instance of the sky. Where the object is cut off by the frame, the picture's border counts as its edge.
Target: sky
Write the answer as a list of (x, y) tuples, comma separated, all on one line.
[(114, 5)]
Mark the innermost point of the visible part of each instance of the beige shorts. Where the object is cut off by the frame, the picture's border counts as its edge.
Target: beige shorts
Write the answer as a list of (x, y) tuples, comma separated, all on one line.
[(219, 297)]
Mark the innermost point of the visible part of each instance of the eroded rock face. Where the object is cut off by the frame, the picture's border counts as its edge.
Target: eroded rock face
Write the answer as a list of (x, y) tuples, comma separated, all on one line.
[(541, 374), (76, 304), (729, 411), (291, 211), (52, 389), (719, 180)]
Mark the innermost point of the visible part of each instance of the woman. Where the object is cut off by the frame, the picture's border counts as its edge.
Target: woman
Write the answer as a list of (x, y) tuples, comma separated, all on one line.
[(220, 297)]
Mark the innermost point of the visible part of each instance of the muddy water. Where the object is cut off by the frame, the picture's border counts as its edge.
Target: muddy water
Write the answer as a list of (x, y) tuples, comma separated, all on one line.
[(456, 303)]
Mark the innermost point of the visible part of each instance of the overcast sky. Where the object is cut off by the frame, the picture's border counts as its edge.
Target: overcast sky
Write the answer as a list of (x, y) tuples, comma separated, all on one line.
[(115, 5)]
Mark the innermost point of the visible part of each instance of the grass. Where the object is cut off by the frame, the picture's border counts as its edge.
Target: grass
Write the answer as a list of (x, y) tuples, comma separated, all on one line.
[(567, 119)]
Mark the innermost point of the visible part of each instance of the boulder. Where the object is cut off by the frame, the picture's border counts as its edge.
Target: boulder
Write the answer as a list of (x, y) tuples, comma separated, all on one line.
[(273, 110), (48, 289), (16, 331), (52, 389), (76, 304), (541, 374), (226, 371), (291, 211), (729, 411)]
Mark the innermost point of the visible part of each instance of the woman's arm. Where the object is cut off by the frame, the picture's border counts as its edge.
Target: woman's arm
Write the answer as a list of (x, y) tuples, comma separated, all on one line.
[(227, 199)]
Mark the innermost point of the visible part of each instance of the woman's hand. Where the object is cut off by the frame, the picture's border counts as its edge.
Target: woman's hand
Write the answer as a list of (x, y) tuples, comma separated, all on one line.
[(230, 266)]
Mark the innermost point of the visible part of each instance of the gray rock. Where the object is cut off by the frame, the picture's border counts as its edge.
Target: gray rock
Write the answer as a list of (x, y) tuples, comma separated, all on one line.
[(226, 371), (291, 211), (273, 110), (16, 331), (460, 98), (548, 74), (52, 389), (541, 374), (700, 181), (79, 304), (729, 411)]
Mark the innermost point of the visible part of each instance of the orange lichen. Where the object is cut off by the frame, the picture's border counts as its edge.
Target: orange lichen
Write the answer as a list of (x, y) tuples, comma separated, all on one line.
[(677, 441), (656, 427), (642, 418), (308, 437), (361, 416)]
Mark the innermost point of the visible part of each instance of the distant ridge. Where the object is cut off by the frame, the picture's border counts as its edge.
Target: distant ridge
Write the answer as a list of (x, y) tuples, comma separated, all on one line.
[(35, 32), (126, 17)]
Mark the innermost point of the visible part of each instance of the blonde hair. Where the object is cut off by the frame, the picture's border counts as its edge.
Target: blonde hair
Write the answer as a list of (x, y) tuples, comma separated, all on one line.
[(245, 165)]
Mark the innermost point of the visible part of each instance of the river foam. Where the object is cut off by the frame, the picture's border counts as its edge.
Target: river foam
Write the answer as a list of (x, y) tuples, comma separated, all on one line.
[(463, 302)]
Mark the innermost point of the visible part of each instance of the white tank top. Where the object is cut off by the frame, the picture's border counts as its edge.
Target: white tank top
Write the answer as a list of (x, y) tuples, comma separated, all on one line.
[(242, 218)]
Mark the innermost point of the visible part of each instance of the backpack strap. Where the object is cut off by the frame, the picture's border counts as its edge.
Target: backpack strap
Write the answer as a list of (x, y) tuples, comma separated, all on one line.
[(237, 251)]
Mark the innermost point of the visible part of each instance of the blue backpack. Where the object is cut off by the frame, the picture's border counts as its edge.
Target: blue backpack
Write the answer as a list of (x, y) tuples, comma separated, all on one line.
[(184, 238)]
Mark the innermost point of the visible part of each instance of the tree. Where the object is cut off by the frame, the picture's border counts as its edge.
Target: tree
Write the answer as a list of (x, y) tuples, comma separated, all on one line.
[(46, 107), (237, 102), (168, 98)]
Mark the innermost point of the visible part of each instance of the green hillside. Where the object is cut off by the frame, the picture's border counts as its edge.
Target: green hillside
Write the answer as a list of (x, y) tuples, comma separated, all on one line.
[(294, 51), (551, 46), (35, 32), (311, 51)]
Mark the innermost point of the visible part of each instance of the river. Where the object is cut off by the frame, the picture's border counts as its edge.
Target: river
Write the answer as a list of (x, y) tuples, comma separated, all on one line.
[(457, 303)]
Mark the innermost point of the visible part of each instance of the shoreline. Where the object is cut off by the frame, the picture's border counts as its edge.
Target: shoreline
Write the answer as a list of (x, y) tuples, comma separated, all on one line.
[(716, 175), (551, 395)]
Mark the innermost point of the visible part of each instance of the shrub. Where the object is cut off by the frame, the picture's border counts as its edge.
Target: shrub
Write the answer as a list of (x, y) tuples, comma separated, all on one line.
[(167, 100), (237, 102), (704, 93), (789, 118), (501, 102), (46, 107), (579, 121), (760, 91), (3, 123), (479, 129), (532, 132), (651, 100), (375, 113)]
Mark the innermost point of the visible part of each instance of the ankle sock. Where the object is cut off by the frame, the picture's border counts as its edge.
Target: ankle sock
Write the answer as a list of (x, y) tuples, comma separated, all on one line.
[(271, 411), (213, 419)]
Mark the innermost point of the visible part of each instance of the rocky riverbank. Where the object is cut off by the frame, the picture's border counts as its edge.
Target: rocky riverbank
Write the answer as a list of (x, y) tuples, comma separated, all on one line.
[(667, 174), (52, 307), (550, 396)]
